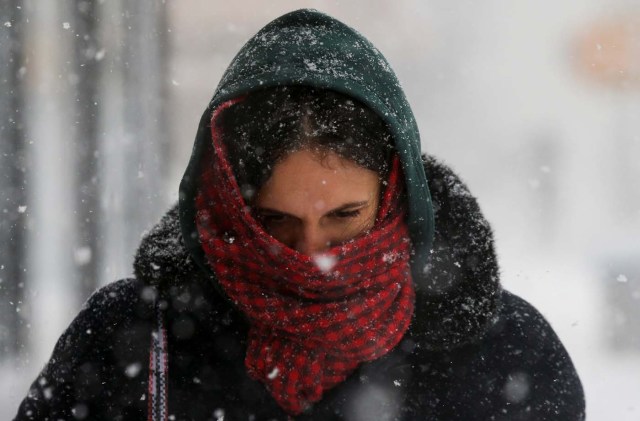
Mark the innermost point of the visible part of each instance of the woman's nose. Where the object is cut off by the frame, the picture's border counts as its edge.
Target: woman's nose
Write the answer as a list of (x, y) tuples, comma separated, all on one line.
[(311, 240)]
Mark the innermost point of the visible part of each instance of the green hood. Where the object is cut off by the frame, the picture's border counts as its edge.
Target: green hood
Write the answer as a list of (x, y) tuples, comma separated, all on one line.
[(309, 48)]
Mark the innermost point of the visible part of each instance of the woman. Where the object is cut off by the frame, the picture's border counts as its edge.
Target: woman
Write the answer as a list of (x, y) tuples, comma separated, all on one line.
[(317, 267)]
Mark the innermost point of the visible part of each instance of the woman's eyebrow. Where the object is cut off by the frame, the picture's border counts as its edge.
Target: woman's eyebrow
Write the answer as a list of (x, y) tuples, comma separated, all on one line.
[(349, 205), (269, 210), (343, 207)]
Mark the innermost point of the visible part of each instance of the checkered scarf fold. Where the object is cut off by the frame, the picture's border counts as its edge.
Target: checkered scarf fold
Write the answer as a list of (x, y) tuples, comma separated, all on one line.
[(312, 320)]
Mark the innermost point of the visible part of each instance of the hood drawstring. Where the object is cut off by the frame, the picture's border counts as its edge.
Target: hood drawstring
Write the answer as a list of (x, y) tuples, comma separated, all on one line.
[(158, 370)]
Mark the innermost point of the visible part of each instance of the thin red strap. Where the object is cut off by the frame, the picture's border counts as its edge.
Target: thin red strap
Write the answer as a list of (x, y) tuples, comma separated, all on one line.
[(158, 408)]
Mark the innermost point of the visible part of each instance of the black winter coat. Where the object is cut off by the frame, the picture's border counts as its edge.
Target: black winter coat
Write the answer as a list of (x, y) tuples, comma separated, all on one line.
[(517, 369)]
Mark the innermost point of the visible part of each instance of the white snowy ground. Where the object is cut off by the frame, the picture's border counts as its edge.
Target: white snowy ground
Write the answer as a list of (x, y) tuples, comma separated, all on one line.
[(567, 293)]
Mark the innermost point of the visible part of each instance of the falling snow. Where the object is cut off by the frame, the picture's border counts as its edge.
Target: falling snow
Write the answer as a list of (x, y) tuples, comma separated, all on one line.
[(325, 262), (133, 370), (100, 54), (82, 255), (273, 373), (534, 209)]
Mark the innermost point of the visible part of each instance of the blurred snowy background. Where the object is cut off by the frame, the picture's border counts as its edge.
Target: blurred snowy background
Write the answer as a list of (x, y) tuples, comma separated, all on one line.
[(536, 104)]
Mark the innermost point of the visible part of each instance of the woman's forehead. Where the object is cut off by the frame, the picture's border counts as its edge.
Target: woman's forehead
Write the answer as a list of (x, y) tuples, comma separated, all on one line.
[(302, 181)]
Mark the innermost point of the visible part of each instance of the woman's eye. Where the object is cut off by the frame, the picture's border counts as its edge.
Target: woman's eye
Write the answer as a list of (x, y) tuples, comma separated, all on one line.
[(271, 218), (347, 214)]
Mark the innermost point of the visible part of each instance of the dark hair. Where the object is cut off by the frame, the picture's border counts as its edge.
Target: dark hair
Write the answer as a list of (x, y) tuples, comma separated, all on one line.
[(270, 124)]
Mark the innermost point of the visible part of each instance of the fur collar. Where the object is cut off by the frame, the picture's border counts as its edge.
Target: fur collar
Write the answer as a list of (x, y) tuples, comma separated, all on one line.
[(457, 299)]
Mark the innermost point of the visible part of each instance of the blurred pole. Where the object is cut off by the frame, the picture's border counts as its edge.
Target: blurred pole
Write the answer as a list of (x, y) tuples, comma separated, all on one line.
[(12, 179), (87, 105), (53, 293), (145, 87), (136, 136)]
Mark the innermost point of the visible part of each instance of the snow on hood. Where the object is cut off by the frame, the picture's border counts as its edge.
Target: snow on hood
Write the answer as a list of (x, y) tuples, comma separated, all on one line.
[(309, 48)]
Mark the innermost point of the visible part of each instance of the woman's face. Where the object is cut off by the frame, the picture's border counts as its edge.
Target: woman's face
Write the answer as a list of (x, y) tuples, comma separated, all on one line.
[(314, 201)]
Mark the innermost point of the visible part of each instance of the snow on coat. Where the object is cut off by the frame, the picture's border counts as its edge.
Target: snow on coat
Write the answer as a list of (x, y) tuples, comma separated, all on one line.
[(475, 353)]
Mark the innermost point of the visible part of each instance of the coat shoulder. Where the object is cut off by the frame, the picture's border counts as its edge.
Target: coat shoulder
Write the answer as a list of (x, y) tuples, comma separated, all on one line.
[(85, 353), (537, 361), (520, 319), (102, 314), (518, 370)]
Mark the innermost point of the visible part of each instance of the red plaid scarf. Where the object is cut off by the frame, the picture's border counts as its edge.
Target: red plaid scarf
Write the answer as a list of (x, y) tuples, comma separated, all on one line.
[(311, 325)]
